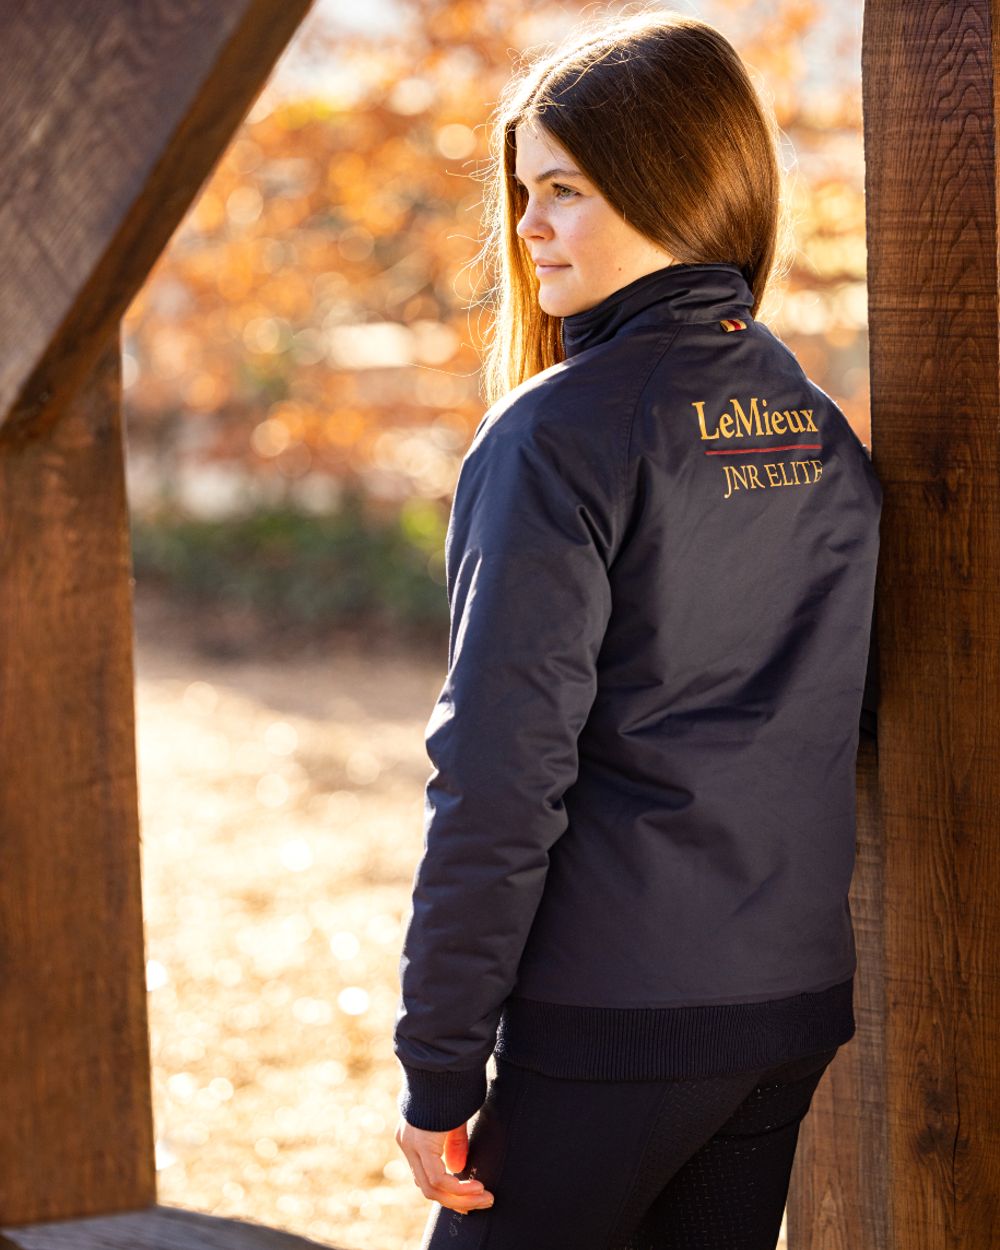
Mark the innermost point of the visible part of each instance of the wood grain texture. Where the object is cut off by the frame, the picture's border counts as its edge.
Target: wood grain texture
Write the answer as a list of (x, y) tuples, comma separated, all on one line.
[(927, 1090), (74, 1053), (154, 1228), (111, 117)]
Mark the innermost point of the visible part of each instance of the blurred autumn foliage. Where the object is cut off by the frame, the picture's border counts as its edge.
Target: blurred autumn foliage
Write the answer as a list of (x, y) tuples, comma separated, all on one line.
[(309, 341)]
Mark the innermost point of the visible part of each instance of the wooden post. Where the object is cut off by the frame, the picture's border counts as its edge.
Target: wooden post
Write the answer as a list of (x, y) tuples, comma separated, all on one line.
[(74, 1081), (111, 118), (902, 1149)]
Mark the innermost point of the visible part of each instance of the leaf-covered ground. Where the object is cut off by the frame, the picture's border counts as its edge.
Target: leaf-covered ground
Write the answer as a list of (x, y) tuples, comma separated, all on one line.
[(280, 805)]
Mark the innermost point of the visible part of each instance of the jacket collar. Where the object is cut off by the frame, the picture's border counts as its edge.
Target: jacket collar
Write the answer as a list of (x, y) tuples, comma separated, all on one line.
[(706, 292)]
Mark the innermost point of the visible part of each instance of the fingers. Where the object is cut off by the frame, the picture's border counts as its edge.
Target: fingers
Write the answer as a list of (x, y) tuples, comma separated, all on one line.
[(423, 1152), (456, 1148), (442, 1181), (459, 1195)]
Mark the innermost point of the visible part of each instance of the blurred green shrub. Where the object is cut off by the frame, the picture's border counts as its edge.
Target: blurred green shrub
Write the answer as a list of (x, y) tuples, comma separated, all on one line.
[(306, 572)]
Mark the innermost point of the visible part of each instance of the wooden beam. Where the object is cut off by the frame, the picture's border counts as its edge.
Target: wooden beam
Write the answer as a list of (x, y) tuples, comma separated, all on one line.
[(112, 117), (74, 1067), (155, 1228), (924, 1076), (111, 120)]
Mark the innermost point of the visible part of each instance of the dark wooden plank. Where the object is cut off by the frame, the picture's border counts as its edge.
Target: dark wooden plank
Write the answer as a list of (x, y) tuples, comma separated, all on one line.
[(154, 1228), (930, 86), (111, 117), (935, 358)]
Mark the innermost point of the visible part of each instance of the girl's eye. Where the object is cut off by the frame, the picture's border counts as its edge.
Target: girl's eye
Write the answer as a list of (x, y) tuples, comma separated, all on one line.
[(556, 187)]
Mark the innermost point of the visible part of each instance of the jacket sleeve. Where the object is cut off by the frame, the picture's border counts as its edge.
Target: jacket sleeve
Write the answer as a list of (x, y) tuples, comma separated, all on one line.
[(528, 544)]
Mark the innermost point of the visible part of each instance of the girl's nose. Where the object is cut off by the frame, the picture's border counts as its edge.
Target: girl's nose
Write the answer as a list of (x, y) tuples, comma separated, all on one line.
[(530, 223)]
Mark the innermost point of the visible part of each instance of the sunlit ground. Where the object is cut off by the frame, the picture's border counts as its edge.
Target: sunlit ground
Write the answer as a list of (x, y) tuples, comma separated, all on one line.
[(281, 805), (281, 822)]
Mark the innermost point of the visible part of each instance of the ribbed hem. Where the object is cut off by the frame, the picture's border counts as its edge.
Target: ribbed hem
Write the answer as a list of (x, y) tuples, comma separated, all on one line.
[(439, 1101), (647, 1043)]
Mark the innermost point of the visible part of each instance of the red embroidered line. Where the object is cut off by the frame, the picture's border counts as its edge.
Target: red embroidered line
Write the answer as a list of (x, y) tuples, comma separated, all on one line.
[(744, 451)]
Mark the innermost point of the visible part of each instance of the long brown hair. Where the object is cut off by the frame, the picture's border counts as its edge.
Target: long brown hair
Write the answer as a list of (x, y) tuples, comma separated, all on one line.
[(660, 113)]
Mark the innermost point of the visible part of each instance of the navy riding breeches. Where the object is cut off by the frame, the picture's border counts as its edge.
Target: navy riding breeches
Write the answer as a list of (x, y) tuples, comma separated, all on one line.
[(693, 1164)]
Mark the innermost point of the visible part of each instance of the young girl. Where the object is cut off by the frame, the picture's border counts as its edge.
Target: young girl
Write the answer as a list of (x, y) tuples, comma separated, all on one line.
[(661, 564)]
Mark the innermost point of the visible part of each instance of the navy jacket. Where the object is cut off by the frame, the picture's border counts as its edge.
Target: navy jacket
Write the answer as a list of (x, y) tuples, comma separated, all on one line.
[(640, 823)]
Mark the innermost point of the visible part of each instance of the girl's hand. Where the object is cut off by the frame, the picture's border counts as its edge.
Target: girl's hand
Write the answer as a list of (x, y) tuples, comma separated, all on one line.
[(423, 1151)]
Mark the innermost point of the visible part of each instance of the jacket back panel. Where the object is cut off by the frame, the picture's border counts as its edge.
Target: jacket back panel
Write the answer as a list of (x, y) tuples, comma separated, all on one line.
[(711, 827)]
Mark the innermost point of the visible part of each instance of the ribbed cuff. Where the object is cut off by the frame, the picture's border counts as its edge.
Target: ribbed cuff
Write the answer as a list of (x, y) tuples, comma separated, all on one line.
[(439, 1101)]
